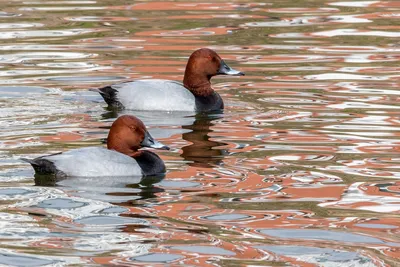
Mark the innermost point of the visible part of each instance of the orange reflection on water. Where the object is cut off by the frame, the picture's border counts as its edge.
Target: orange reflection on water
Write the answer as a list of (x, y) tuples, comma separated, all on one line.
[(308, 140)]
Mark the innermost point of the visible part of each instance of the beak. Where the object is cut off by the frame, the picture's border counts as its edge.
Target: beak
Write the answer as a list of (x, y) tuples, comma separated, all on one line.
[(149, 141), (224, 69)]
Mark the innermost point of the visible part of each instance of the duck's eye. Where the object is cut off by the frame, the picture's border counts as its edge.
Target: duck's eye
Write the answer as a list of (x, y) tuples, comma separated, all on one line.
[(133, 128)]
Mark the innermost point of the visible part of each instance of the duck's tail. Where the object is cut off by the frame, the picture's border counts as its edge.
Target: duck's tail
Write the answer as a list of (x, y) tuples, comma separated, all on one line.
[(110, 95), (30, 161), (42, 166)]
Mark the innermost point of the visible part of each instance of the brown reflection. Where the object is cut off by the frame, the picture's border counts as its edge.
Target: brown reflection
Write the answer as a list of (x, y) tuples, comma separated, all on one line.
[(203, 152), (46, 180)]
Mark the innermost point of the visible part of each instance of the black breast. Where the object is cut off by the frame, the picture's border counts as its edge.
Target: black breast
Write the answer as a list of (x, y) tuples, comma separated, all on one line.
[(209, 103), (150, 163)]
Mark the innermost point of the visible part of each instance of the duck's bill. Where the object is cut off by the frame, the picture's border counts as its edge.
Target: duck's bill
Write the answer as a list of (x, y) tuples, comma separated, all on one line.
[(226, 70), (149, 141)]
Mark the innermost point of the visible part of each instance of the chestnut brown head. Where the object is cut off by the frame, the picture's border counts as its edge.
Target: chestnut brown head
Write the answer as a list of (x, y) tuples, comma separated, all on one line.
[(128, 134), (203, 64)]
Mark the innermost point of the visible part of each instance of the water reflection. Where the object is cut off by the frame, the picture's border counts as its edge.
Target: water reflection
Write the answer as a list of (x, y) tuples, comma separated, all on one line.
[(301, 169), (111, 189), (23, 260), (7, 15), (203, 151), (337, 32), (317, 255), (43, 33)]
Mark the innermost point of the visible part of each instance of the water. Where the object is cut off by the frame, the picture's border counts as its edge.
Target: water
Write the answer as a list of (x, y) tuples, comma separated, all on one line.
[(301, 169)]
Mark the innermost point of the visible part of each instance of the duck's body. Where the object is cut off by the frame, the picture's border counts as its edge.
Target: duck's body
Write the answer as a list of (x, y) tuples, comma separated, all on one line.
[(149, 95), (158, 95), (121, 159), (97, 161), (194, 94)]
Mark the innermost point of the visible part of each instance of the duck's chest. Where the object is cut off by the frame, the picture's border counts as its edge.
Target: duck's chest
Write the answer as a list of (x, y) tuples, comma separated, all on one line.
[(209, 103)]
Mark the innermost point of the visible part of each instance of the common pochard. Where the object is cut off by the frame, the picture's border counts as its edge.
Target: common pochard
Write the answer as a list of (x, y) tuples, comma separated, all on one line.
[(195, 94), (120, 158)]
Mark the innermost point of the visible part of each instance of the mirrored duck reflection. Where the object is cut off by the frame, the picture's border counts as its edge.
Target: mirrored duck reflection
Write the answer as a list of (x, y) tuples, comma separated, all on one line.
[(161, 124), (202, 152), (113, 189), (155, 118)]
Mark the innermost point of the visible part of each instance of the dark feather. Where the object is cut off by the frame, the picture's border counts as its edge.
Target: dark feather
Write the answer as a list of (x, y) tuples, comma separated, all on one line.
[(146, 157), (44, 167), (109, 95)]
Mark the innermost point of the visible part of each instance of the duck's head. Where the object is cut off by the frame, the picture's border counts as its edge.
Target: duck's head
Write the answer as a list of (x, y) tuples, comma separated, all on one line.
[(128, 134), (203, 64)]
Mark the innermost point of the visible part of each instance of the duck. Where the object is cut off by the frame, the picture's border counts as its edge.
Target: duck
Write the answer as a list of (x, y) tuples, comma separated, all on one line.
[(194, 94), (122, 156)]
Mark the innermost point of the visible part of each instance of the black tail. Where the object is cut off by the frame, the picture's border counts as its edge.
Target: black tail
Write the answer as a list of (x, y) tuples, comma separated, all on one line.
[(109, 95), (43, 166)]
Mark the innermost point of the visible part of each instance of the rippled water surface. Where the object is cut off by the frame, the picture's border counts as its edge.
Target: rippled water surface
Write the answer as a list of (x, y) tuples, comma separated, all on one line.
[(301, 169)]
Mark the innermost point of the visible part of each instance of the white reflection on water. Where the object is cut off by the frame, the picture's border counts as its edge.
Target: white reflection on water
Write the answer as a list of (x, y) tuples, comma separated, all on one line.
[(66, 8), (320, 256), (355, 194), (337, 32), (58, 2), (306, 21), (344, 76), (19, 25), (44, 33), (354, 88), (354, 4)]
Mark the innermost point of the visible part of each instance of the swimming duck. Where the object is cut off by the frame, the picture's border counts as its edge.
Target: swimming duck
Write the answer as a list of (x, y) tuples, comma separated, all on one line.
[(195, 94), (120, 158)]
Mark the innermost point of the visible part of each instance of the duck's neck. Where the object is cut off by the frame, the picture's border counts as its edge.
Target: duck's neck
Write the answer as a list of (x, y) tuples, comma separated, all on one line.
[(197, 83), (113, 144)]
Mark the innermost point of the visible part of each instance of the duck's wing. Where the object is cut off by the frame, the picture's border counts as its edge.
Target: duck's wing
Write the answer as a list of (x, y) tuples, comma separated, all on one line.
[(87, 162), (151, 94)]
